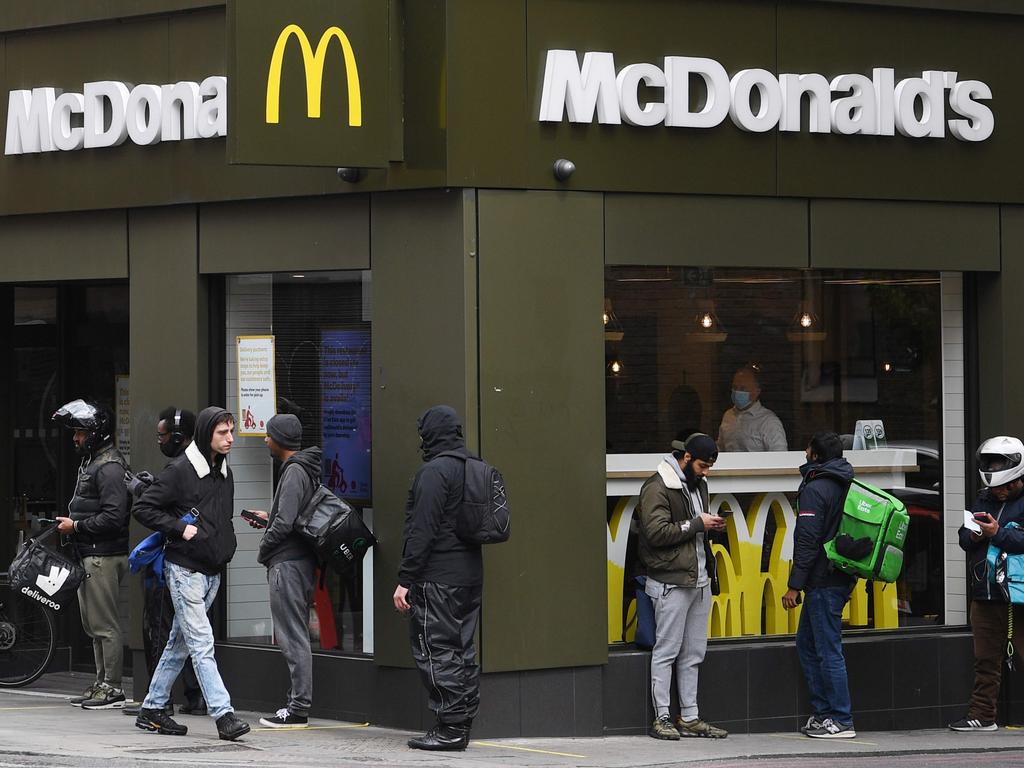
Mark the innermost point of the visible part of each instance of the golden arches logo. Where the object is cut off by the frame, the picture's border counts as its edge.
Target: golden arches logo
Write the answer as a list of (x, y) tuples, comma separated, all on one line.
[(314, 67)]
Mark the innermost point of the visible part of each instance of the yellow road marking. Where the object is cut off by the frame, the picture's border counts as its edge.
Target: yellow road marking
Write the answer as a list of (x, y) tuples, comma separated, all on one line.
[(317, 727), (526, 749), (46, 706)]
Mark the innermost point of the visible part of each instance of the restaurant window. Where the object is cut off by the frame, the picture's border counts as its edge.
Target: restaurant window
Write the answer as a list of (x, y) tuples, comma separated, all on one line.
[(761, 360), (304, 343)]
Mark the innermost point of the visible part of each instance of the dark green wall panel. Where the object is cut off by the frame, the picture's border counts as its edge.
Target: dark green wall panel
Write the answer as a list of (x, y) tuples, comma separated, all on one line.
[(696, 231), (64, 246), (424, 352), (26, 14), (293, 234), (542, 422), (876, 235)]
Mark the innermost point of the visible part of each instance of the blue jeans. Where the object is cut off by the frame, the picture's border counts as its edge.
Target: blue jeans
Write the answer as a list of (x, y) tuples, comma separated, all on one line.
[(192, 594), (819, 643)]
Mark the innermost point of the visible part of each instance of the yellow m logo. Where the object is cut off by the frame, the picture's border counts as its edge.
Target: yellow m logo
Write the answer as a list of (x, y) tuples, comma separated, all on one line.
[(314, 66)]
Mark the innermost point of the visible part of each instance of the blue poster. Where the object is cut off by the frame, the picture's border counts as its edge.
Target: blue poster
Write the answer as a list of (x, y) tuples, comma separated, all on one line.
[(345, 412)]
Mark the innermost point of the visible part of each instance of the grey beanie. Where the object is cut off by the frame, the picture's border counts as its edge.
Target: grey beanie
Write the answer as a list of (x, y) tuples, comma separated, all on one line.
[(285, 429)]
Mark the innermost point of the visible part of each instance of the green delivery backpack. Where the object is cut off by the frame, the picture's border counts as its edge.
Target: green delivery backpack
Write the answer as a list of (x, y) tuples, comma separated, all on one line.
[(872, 533)]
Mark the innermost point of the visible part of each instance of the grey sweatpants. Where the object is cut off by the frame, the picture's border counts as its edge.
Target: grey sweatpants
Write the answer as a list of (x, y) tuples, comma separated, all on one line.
[(98, 601), (681, 639), (291, 592)]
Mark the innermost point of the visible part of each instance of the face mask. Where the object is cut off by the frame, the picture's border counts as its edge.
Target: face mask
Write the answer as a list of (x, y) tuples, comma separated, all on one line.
[(169, 449), (740, 399)]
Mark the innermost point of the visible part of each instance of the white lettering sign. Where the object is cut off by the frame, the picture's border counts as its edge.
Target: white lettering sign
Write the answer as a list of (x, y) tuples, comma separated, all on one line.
[(107, 113), (848, 104)]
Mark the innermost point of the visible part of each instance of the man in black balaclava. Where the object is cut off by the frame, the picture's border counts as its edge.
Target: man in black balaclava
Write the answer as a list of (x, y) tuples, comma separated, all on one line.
[(441, 571)]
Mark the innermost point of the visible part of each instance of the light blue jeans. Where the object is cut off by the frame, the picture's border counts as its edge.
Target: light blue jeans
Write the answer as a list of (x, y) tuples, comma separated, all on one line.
[(192, 594)]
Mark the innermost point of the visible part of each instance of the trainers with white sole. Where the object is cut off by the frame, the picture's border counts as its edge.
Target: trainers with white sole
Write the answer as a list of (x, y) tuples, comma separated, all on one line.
[(973, 724), (830, 729), (285, 719)]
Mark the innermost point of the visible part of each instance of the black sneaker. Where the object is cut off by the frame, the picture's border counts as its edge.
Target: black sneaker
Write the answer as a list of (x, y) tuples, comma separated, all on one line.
[(132, 709), (229, 727), (193, 708), (830, 729), (106, 697), (973, 724), (285, 719), (157, 720), (87, 694)]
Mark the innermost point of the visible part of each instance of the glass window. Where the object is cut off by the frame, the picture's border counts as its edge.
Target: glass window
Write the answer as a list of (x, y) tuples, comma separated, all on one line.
[(319, 323), (761, 360)]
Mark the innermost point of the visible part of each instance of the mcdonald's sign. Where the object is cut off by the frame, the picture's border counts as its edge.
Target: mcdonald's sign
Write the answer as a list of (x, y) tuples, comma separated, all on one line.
[(310, 83)]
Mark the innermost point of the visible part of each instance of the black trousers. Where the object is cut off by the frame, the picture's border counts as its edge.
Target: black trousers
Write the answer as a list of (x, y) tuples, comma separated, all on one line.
[(157, 618), (443, 621)]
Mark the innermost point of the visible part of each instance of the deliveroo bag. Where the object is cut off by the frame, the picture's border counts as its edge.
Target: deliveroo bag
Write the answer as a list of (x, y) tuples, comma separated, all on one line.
[(872, 533)]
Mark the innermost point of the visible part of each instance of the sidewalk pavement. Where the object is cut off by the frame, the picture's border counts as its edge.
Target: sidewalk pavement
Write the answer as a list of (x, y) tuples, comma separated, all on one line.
[(38, 727)]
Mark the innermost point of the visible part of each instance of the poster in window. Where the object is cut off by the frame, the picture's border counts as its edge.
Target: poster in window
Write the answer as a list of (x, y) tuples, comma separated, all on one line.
[(256, 385), (345, 408), (124, 415)]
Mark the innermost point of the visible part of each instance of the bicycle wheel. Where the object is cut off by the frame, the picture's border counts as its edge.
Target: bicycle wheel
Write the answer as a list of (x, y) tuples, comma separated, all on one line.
[(28, 638)]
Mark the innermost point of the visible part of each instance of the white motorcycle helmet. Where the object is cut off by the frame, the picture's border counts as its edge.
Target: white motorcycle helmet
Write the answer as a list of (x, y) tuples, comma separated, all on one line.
[(1000, 460)]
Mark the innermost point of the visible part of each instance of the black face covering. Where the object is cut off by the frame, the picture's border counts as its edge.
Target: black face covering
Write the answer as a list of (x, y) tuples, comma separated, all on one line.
[(170, 449)]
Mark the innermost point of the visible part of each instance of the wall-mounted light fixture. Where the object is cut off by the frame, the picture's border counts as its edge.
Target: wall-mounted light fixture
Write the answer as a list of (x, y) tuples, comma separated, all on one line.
[(806, 324), (706, 327), (563, 169)]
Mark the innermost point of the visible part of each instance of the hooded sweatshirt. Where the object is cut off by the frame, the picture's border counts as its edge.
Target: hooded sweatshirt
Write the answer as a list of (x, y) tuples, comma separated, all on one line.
[(432, 551), (193, 481), (299, 478), (820, 500)]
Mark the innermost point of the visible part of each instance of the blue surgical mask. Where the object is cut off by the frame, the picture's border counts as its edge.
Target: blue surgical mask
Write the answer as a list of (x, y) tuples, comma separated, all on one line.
[(740, 399)]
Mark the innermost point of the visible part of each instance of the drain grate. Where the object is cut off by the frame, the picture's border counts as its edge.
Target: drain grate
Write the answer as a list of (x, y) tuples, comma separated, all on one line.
[(194, 750)]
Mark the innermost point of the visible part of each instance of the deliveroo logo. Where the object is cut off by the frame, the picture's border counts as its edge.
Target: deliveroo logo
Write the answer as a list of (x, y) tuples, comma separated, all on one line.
[(51, 584)]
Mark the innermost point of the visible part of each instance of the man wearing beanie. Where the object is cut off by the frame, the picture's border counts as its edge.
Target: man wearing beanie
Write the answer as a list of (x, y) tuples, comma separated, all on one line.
[(291, 564), (674, 524)]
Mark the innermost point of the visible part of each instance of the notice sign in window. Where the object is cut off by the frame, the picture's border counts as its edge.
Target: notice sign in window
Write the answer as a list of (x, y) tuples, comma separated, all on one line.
[(256, 389)]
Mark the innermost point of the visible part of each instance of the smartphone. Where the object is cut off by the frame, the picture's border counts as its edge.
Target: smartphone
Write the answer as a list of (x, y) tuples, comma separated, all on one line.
[(982, 516), (252, 517)]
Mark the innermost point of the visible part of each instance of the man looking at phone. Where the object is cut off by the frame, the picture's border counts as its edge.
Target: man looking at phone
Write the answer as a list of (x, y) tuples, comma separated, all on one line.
[(1001, 501), (198, 481), (674, 518), (290, 562)]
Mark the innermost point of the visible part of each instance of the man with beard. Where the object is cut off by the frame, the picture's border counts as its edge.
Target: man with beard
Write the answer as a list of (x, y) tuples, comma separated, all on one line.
[(674, 523), (197, 482), (439, 584), (291, 564), (174, 430), (97, 524)]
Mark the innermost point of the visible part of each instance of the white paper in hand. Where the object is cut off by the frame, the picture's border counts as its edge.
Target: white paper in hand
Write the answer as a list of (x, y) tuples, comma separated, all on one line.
[(970, 523)]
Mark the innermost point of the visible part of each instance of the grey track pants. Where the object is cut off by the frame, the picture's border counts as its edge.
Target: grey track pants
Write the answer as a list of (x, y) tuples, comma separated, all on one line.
[(291, 591), (681, 614)]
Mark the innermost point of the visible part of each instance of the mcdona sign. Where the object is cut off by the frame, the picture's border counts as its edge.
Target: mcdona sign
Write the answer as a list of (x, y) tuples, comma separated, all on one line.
[(848, 104), (107, 113)]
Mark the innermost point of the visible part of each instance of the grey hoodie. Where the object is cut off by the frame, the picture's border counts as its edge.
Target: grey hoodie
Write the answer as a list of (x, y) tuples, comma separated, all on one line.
[(299, 478)]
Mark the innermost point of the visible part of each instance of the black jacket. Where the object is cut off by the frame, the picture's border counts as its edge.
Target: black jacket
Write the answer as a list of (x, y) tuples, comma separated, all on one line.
[(191, 482), (432, 551), (299, 477), (100, 506), (819, 510), (1008, 539)]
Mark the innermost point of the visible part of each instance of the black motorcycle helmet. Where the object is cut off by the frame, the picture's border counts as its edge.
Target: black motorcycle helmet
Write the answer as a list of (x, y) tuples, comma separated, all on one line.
[(88, 416)]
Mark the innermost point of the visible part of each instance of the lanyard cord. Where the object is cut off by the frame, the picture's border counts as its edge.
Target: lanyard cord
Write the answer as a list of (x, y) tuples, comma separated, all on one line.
[(1009, 637)]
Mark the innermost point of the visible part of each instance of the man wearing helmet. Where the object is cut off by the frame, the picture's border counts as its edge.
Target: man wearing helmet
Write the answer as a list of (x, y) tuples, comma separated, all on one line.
[(1001, 501), (97, 523)]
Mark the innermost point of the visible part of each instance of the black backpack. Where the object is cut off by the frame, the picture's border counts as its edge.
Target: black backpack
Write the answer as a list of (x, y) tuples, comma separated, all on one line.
[(484, 517), (336, 531)]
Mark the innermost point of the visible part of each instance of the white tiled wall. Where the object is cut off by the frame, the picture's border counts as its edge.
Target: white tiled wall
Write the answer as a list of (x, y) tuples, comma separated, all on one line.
[(953, 452), (249, 313)]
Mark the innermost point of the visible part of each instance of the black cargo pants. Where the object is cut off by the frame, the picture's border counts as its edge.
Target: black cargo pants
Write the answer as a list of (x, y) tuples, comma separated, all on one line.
[(443, 621)]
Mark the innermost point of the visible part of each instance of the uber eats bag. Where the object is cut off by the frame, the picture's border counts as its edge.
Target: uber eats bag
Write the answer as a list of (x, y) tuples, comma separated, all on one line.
[(872, 533), (44, 574), (337, 532)]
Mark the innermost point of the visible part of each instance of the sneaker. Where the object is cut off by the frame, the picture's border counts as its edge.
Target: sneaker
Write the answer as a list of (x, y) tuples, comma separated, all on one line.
[(973, 724), (132, 709), (698, 727), (229, 727), (662, 728), (156, 720), (106, 697), (830, 729), (813, 723), (87, 694), (444, 737), (285, 719)]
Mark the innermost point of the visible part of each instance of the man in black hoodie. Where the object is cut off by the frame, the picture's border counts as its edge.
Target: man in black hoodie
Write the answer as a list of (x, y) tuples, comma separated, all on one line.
[(197, 483), (291, 564), (819, 638), (440, 578)]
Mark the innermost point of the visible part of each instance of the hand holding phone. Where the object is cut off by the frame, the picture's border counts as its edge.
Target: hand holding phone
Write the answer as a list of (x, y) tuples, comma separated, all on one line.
[(255, 518)]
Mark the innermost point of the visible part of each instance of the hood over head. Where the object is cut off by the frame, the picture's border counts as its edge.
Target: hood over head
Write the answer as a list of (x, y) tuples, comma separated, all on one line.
[(204, 432), (441, 430)]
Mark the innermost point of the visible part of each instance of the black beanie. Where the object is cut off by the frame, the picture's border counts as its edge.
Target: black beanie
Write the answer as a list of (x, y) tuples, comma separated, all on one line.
[(285, 429), (699, 446)]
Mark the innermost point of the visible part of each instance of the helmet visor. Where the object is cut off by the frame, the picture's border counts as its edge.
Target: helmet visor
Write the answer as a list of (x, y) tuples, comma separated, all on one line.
[(77, 414)]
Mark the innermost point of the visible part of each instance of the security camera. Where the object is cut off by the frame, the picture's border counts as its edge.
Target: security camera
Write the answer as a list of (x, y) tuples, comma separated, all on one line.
[(351, 175)]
